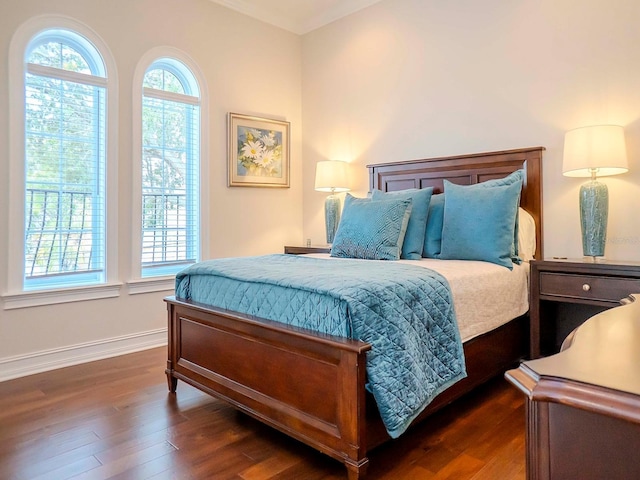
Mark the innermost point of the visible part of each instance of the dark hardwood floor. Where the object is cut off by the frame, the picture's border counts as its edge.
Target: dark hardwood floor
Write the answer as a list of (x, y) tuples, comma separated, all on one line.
[(115, 419)]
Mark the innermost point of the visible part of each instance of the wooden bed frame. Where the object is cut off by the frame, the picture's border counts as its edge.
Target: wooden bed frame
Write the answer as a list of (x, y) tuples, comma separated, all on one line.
[(312, 386)]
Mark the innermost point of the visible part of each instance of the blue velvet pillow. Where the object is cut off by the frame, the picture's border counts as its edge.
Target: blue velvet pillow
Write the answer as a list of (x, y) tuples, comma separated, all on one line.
[(370, 229), (433, 232), (479, 222), (414, 237)]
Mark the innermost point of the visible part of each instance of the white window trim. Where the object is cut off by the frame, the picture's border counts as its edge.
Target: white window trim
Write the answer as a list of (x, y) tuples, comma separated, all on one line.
[(16, 296), (138, 284), (60, 295), (151, 284)]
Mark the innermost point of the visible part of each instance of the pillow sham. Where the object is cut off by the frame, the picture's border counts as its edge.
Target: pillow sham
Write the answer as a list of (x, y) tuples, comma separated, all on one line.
[(514, 177), (479, 222), (414, 237), (526, 235), (435, 218), (371, 229), (433, 232)]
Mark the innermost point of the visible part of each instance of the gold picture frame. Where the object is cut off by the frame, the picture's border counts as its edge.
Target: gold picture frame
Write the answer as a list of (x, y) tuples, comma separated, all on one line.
[(258, 150)]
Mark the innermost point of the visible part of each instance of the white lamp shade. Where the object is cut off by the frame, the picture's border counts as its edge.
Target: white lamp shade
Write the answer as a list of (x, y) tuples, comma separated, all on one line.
[(600, 147), (331, 176)]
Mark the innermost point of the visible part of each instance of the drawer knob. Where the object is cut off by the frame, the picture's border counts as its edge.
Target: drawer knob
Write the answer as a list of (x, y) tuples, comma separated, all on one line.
[(586, 287)]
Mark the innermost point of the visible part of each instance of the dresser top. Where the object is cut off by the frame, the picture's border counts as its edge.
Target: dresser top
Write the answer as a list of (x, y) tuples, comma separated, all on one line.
[(604, 351)]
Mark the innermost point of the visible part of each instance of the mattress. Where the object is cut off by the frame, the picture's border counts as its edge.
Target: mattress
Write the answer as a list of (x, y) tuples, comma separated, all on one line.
[(485, 295)]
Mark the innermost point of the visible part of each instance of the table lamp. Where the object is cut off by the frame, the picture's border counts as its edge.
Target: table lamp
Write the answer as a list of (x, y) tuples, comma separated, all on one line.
[(331, 176), (589, 152)]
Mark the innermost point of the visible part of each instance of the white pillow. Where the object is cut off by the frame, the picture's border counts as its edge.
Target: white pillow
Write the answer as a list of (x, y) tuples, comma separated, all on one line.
[(526, 235)]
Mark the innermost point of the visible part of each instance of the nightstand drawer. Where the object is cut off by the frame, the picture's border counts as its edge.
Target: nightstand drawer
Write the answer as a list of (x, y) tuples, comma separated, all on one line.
[(295, 250), (586, 287)]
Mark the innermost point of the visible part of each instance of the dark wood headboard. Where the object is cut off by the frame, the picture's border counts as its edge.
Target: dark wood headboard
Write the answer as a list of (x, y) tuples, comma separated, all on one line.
[(467, 170)]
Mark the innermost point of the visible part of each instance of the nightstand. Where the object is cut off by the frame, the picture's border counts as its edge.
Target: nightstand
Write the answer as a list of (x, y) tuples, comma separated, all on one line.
[(294, 250), (564, 293)]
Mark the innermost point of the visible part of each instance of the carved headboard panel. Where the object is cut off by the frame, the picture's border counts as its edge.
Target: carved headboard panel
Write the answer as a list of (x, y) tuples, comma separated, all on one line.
[(467, 170)]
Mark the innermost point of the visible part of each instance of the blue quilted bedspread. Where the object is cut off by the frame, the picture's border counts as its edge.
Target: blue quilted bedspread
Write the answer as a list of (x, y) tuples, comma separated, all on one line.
[(405, 312)]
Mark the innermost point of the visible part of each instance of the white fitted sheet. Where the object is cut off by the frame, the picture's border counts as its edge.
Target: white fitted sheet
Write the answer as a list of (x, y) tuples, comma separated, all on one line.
[(485, 295)]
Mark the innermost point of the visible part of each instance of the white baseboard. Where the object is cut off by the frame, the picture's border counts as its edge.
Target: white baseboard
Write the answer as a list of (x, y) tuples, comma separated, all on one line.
[(43, 361)]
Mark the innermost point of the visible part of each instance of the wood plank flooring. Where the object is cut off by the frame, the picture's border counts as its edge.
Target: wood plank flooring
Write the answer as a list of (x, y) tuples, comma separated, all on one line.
[(115, 419)]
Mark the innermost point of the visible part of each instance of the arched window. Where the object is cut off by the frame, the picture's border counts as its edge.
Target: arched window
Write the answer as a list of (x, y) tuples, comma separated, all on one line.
[(170, 168), (65, 89)]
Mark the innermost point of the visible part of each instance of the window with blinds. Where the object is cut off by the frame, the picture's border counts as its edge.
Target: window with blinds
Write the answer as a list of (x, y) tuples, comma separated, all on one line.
[(65, 155), (170, 168)]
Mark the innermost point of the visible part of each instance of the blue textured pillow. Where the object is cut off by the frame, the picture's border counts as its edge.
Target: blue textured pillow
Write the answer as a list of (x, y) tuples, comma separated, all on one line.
[(433, 232), (372, 230), (515, 177), (414, 238), (479, 222)]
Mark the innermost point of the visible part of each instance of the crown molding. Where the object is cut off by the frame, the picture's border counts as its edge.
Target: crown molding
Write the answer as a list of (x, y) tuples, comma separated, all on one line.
[(299, 17)]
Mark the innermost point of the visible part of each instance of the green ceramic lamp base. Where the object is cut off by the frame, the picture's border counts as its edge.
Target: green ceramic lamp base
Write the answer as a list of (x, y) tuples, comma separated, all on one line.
[(594, 210)]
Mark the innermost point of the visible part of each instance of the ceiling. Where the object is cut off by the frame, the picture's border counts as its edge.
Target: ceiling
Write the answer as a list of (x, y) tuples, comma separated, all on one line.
[(297, 16)]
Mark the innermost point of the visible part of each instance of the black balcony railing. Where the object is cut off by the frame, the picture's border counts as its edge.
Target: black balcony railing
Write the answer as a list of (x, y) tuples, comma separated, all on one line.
[(59, 232), (164, 228), (61, 228)]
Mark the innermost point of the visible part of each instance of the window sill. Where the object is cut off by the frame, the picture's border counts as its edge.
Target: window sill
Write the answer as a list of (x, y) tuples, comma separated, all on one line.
[(149, 285), (63, 295)]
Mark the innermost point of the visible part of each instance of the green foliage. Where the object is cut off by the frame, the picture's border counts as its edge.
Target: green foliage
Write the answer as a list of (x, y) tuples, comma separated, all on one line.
[(161, 79), (59, 55)]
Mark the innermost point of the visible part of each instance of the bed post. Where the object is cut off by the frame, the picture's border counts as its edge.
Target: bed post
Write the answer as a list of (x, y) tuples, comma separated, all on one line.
[(353, 413), (172, 382)]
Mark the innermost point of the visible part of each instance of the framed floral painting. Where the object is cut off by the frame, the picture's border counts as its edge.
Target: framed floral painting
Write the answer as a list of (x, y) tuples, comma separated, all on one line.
[(258, 152)]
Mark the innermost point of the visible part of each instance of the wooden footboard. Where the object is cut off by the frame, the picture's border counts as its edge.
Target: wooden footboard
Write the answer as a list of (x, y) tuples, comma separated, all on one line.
[(311, 387), (307, 385)]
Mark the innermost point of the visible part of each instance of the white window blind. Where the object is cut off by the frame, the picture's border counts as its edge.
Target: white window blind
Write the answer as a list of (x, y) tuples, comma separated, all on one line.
[(65, 128), (170, 169)]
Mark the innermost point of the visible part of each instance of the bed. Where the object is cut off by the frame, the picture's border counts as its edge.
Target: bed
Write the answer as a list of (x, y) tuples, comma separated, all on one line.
[(323, 401)]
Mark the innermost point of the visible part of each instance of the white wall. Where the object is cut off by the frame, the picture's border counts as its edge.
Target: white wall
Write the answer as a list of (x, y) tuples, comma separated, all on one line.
[(407, 79), (250, 67)]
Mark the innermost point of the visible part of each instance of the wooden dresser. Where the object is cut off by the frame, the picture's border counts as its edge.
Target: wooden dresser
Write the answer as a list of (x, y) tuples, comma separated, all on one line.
[(583, 404)]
